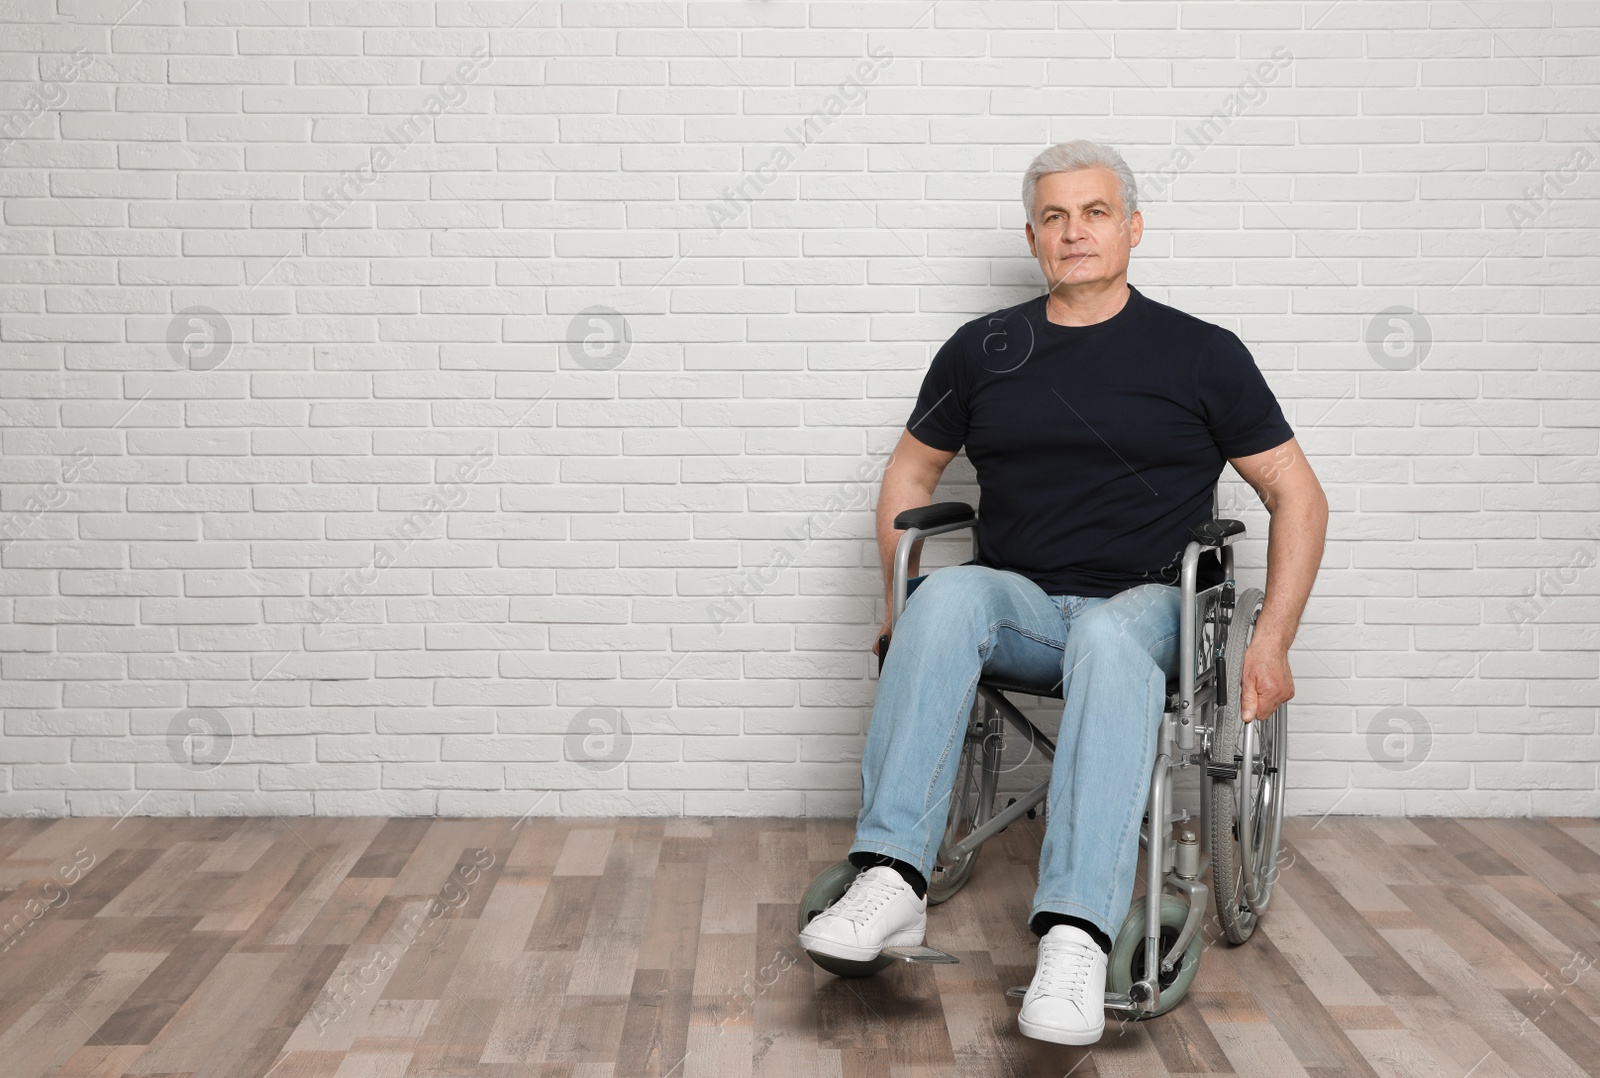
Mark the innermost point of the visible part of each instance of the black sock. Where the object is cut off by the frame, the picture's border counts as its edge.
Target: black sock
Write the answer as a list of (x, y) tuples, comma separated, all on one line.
[(1045, 920), (865, 859)]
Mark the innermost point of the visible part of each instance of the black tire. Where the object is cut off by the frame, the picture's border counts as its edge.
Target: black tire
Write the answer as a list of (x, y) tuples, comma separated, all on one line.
[(1262, 784)]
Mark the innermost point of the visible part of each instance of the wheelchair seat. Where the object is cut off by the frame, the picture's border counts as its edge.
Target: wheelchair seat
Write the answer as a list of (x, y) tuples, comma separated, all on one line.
[(1000, 683), (1054, 692)]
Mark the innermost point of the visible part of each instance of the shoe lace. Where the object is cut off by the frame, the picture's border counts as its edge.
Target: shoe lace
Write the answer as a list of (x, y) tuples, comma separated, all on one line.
[(862, 900), (1064, 967)]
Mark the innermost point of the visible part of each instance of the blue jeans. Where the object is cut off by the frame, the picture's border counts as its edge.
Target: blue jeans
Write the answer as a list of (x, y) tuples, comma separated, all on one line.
[(1114, 656)]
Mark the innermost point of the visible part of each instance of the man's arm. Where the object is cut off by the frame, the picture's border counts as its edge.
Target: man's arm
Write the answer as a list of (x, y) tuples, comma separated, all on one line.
[(1289, 489), (909, 481)]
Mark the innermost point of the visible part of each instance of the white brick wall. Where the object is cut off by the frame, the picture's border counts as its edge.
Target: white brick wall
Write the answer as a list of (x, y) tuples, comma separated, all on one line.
[(393, 363)]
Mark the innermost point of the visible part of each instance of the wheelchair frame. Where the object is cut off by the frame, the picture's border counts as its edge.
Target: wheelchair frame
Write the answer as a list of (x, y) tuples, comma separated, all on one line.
[(1188, 723)]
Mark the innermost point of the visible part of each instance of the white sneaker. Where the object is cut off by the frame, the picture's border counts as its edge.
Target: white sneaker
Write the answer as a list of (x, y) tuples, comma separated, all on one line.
[(1066, 1003), (879, 910)]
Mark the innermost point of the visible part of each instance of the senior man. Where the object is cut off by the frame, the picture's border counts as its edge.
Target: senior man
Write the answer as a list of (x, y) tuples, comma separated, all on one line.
[(1098, 421)]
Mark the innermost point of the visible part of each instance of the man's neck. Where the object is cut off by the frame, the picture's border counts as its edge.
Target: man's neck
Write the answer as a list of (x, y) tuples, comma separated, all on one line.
[(1076, 307)]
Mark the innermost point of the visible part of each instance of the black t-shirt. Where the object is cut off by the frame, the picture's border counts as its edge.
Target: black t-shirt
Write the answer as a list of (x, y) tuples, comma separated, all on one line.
[(1096, 447)]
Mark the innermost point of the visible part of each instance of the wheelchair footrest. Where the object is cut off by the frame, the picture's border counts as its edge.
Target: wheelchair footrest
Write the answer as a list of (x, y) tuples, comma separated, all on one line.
[(1114, 1000), (918, 954)]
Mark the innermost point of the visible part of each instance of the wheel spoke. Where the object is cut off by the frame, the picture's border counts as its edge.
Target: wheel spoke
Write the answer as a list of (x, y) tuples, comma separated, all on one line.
[(1246, 797), (967, 793)]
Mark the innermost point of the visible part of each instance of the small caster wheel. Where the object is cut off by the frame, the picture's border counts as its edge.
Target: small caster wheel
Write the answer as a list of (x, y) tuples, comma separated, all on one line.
[(1125, 967)]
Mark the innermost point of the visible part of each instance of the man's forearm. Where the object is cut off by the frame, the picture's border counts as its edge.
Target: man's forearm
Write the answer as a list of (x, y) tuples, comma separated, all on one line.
[(1294, 551), (899, 493)]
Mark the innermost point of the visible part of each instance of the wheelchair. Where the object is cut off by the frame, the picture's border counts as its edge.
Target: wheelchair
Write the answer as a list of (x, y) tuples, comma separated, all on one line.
[(1156, 953)]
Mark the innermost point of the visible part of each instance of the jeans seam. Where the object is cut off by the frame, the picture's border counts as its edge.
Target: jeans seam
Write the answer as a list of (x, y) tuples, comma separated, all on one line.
[(1122, 839), (959, 729), (1008, 623)]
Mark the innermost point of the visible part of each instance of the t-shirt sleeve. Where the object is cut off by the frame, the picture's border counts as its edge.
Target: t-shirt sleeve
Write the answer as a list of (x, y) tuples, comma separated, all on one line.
[(939, 418), (1239, 407)]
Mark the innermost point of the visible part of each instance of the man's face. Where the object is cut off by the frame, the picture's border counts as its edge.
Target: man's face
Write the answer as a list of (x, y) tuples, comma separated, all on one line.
[(1079, 232)]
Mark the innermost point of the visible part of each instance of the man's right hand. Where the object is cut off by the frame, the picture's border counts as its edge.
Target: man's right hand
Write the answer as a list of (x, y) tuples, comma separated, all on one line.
[(883, 632)]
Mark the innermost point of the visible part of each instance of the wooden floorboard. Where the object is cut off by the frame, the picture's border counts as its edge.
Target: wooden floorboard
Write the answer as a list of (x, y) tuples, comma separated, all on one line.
[(642, 947)]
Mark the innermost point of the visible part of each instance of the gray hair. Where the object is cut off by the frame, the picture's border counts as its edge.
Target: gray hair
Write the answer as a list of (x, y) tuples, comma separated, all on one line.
[(1071, 156)]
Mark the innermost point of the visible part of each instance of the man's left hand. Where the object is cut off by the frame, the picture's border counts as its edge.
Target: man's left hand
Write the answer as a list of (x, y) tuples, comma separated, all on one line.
[(1267, 683)]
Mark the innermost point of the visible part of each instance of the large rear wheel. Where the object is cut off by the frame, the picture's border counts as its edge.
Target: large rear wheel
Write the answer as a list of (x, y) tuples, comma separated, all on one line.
[(1247, 801)]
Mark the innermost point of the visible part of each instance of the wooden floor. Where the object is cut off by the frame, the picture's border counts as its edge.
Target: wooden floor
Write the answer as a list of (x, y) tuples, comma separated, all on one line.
[(368, 948)]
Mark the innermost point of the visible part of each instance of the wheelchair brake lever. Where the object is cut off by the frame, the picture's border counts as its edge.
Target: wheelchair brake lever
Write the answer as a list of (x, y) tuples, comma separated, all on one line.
[(883, 650), (1224, 619)]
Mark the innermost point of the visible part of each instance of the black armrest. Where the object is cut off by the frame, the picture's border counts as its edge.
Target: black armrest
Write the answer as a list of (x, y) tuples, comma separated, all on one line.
[(1213, 532), (931, 516)]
